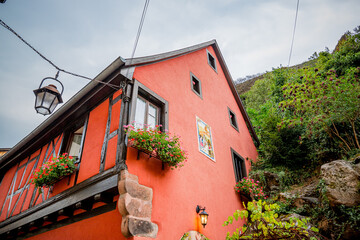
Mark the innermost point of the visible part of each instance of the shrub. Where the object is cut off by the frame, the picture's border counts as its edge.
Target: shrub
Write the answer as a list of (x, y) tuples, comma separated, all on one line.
[(263, 224)]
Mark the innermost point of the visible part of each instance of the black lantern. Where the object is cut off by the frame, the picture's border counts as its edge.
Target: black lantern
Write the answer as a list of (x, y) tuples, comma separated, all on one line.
[(203, 215), (47, 98)]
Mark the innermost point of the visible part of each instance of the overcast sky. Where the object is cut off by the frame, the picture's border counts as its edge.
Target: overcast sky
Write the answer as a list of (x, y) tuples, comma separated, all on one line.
[(86, 36)]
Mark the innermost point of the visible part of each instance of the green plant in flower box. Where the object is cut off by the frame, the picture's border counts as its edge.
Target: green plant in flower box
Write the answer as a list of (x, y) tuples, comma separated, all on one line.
[(157, 143), (250, 187), (53, 170)]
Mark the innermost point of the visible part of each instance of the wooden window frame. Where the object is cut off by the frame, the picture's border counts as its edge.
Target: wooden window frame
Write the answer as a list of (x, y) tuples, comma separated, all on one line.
[(233, 119), (211, 60), (146, 115), (239, 165), (144, 92), (194, 78), (69, 134)]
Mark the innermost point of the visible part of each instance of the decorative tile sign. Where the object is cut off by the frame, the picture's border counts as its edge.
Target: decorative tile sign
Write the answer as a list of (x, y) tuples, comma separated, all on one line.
[(204, 139)]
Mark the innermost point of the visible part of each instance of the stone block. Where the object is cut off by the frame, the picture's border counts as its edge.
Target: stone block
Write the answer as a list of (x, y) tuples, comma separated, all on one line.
[(128, 205), (124, 174), (132, 226), (135, 189)]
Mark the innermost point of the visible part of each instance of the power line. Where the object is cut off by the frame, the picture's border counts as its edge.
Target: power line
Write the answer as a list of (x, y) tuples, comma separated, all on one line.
[(138, 35), (140, 27), (7, 27), (2, 23), (293, 36)]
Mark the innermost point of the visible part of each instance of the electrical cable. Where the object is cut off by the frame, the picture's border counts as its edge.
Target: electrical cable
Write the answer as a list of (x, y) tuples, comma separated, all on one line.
[(293, 36), (2, 23), (138, 34)]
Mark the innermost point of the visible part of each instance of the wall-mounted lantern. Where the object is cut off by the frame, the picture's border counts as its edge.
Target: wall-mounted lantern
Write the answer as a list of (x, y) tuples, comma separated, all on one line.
[(203, 215), (47, 98)]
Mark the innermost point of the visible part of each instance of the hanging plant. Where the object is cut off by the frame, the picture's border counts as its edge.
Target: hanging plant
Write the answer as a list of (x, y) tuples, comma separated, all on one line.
[(157, 143), (52, 171)]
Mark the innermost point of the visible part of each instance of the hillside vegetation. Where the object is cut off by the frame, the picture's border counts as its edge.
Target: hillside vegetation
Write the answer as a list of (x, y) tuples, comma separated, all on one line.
[(305, 117)]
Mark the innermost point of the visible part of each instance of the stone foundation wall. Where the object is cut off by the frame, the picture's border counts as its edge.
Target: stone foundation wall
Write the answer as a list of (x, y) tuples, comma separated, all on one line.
[(135, 206)]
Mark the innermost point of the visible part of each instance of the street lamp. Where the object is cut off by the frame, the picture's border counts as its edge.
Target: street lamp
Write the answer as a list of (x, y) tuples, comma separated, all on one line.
[(203, 215), (48, 97)]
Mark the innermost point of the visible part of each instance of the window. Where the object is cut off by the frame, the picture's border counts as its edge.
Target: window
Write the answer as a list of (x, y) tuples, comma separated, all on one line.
[(232, 118), (195, 85), (75, 142), (146, 113), (239, 165), (147, 107), (74, 138), (211, 60)]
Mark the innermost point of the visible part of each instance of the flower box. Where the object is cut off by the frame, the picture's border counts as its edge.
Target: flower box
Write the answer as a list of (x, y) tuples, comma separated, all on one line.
[(246, 197), (53, 171), (250, 189), (157, 144)]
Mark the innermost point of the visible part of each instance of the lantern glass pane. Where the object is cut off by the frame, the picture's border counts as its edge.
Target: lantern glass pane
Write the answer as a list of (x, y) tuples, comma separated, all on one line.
[(48, 100), (53, 106), (38, 99), (203, 218), (43, 111)]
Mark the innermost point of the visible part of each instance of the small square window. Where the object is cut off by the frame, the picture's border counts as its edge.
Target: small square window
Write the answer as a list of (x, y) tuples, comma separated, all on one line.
[(233, 121), (195, 85), (211, 60), (239, 165)]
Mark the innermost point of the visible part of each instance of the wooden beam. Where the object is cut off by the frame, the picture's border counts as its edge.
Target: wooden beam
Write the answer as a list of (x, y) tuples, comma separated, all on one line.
[(103, 197)]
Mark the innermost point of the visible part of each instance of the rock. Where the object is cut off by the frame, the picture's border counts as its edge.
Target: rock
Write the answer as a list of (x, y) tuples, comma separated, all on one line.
[(285, 196), (292, 215), (310, 190), (342, 181), (272, 184)]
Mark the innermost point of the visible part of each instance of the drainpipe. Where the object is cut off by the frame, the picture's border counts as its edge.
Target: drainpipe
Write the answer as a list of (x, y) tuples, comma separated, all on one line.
[(121, 150)]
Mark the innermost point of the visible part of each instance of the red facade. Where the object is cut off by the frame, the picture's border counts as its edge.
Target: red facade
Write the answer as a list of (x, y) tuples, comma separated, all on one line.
[(184, 85)]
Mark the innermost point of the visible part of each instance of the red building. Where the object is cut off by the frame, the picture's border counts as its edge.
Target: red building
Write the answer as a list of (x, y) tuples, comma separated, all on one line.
[(116, 191)]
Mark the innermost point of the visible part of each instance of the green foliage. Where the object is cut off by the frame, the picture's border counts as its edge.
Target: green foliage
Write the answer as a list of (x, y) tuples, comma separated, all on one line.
[(263, 223), (325, 103), (278, 146), (157, 143), (305, 116)]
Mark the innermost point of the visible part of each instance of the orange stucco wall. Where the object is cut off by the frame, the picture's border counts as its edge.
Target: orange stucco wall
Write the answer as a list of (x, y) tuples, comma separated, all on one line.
[(201, 181), (104, 226)]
